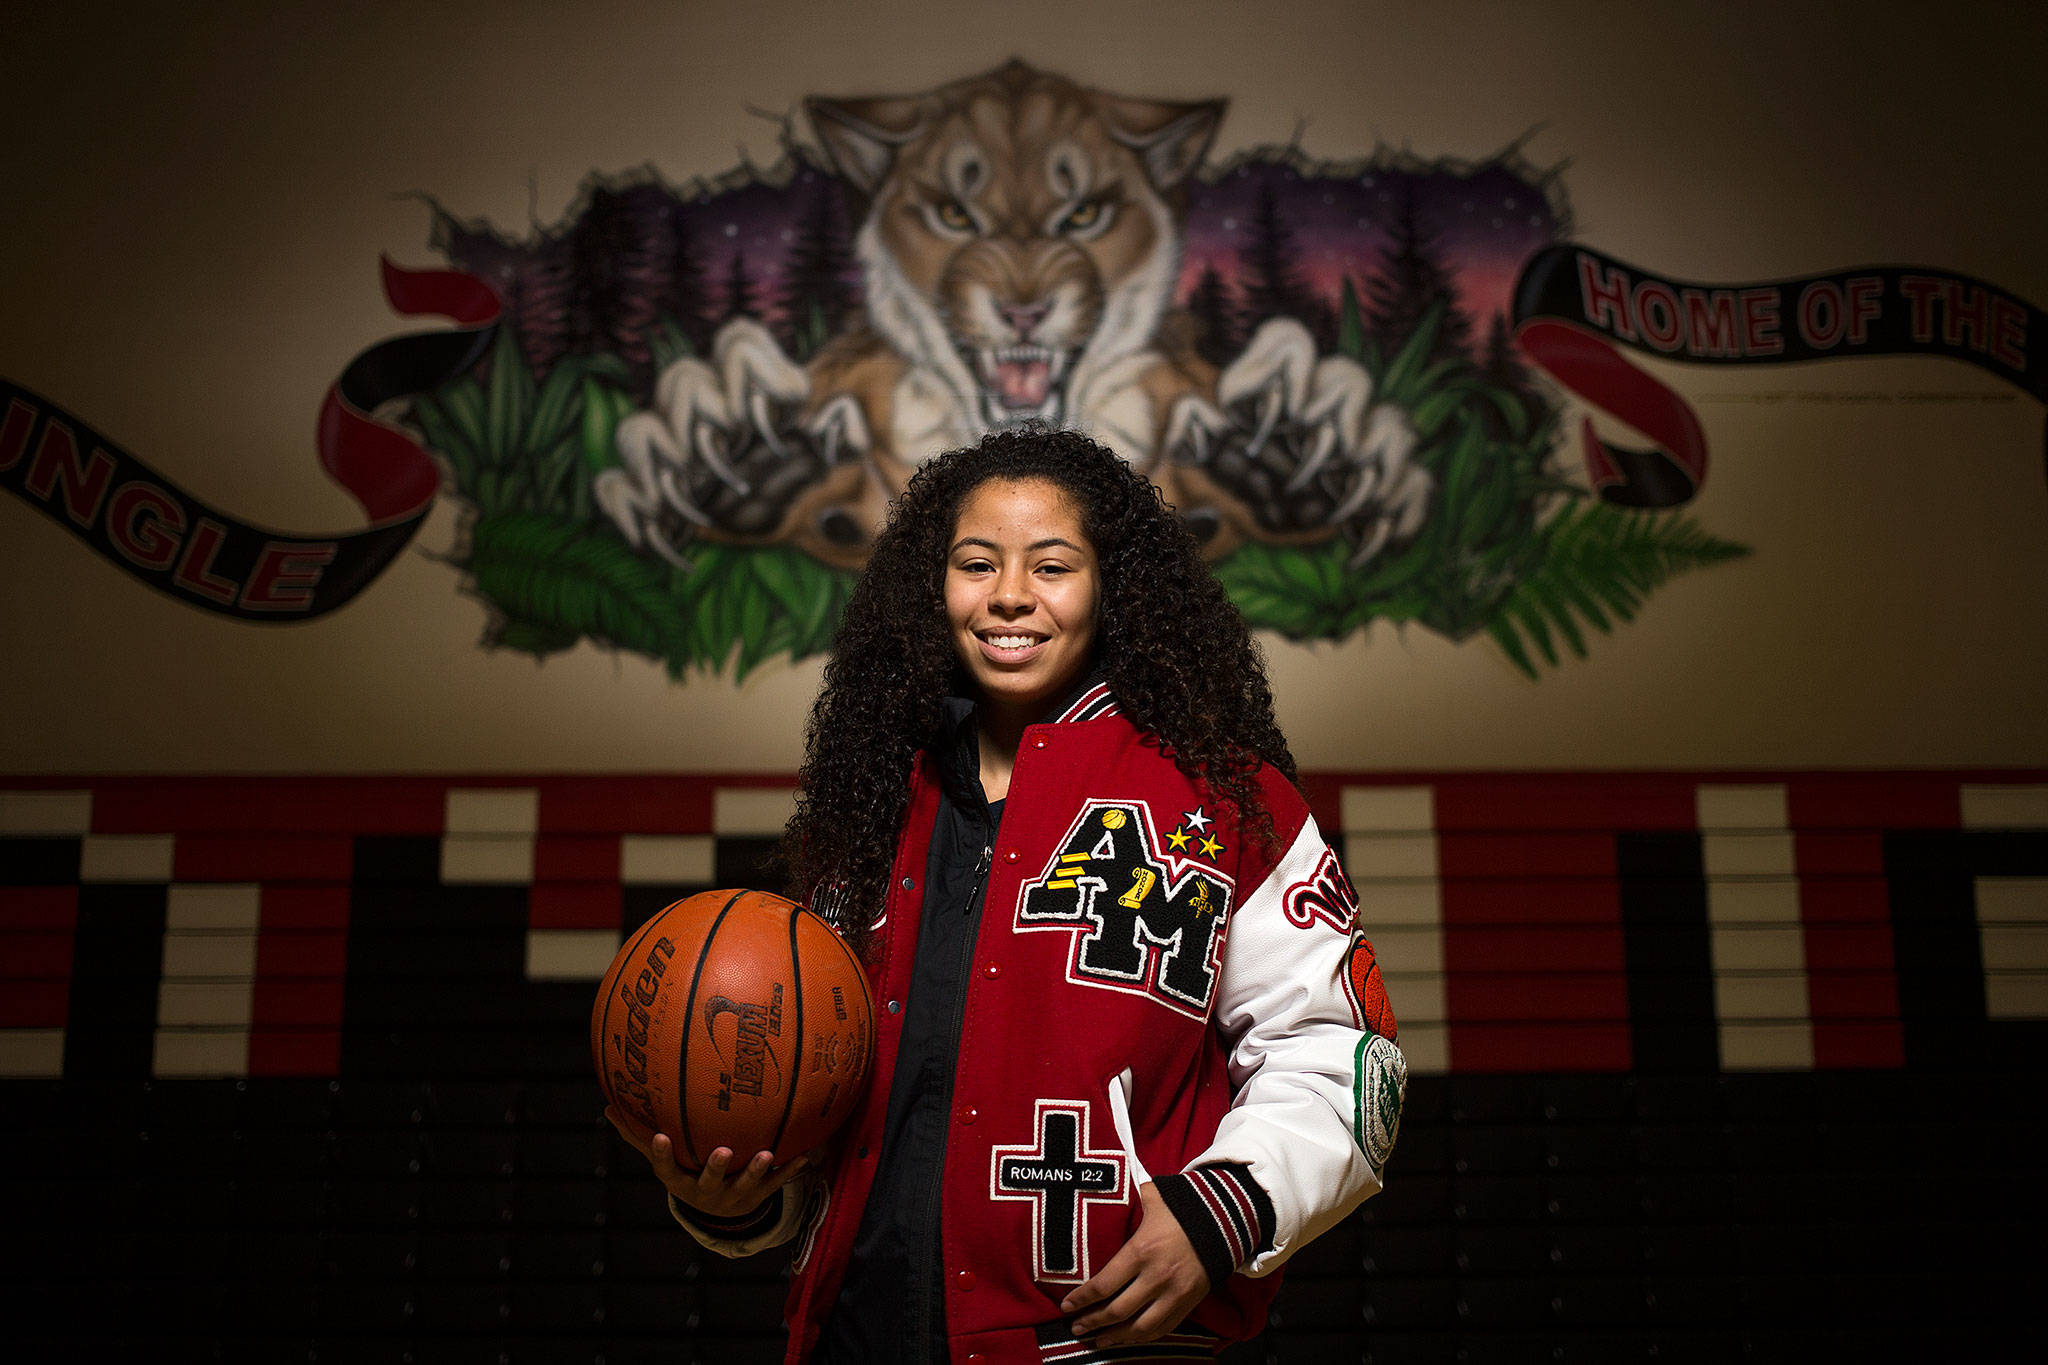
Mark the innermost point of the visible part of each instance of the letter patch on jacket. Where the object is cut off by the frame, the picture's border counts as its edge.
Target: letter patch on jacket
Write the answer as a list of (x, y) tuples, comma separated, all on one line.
[(1145, 921), (1061, 1179)]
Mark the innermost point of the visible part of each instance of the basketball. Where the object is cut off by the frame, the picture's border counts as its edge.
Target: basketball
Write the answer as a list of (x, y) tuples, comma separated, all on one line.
[(733, 1019)]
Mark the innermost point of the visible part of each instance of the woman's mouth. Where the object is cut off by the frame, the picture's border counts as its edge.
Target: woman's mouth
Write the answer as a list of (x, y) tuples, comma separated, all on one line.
[(1008, 646)]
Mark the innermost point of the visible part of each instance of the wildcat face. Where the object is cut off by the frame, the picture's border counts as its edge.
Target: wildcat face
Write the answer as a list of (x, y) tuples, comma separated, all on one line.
[(1021, 234)]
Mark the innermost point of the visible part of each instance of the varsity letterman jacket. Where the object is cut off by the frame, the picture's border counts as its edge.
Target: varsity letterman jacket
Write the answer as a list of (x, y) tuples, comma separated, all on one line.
[(1154, 996)]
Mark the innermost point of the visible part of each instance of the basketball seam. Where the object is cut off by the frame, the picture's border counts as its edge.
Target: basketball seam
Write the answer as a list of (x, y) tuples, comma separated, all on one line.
[(689, 1022), (796, 991)]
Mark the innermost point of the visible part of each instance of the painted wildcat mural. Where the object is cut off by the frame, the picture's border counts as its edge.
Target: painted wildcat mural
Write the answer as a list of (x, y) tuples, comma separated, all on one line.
[(673, 420), (1019, 250), (724, 382)]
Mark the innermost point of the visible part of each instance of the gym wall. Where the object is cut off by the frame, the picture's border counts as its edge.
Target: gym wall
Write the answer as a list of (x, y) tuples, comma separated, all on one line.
[(1715, 926)]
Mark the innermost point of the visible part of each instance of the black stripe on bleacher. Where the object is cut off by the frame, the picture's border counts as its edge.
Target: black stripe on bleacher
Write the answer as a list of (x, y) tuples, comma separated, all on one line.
[(1665, 944)]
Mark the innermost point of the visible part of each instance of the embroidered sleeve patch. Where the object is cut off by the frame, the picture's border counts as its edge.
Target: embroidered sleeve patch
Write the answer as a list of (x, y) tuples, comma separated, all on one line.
[(1379, 1078)]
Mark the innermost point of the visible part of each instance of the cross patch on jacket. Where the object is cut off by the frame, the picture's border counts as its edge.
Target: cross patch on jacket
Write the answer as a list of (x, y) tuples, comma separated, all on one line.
[(1061, 1178), (1145, 920)]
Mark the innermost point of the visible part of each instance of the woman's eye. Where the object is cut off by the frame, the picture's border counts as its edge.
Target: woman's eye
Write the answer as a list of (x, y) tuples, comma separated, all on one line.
[(954, 215)]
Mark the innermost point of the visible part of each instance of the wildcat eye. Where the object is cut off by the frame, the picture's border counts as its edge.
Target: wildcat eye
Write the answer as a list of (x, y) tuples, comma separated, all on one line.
[(951, 213), (1085, 216)]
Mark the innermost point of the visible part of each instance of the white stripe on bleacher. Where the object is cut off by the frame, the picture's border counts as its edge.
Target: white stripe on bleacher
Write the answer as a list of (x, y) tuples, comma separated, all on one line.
[(757, 811), (570, 954), (487, 859), (665, 859), (191, 1053), (207, 997), (48, 813), (2011, 805), (1390, 852), (489, 835), (2012, 934), (492, 810), (31, 1053), (126, 858), (1762, 1003)]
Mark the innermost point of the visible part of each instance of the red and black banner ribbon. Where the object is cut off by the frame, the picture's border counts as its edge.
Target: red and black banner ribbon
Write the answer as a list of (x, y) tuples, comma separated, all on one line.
[(147, 525), (1574, 309)]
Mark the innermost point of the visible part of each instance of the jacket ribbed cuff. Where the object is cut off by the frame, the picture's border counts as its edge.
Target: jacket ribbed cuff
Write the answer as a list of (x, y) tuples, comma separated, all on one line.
[(730, 1229), (1227, 1217)]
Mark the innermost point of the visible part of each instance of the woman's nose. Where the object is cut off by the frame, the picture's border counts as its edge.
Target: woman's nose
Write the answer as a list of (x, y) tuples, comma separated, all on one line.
[(1012, 591)]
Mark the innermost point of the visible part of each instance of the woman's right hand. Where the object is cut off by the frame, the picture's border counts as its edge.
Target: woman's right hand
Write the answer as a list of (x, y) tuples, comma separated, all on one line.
[(712, 1191)]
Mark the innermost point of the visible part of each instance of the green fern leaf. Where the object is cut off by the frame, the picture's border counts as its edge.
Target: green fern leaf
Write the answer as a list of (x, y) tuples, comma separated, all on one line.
[(555, 580)]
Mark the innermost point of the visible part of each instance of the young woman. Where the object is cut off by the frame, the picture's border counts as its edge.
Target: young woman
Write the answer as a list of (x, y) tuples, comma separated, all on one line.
[(1132, 1050)]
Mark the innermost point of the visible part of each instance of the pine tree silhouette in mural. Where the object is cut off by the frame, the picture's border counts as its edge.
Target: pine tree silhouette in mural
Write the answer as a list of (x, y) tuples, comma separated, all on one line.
[(1217, 339), (739, 291), (1410, 279), (1272, 281), (620, 256), (686, 299), (1503, 359), (815, 297)]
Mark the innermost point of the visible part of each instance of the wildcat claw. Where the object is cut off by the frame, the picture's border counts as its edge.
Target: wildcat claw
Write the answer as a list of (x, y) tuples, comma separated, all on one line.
[(709, 442), (1370, 546), (1320, 446)]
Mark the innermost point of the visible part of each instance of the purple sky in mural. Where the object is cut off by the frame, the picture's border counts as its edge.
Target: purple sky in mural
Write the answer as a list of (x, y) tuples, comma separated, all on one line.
[(1484, 220), (1488, 220)]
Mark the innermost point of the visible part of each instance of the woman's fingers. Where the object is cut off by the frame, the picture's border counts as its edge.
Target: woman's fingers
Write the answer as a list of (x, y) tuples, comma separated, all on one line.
[(788, 1171)]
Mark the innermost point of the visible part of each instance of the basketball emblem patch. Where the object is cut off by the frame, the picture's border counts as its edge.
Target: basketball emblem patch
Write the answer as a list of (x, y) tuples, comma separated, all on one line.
[(1368, 994)]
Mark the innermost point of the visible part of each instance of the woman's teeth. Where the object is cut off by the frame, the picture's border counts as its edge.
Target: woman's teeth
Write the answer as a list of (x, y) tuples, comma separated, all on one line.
[(1011, 641)]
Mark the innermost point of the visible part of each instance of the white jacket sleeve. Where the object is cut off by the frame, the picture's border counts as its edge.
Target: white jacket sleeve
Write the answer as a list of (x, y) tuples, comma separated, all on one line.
[(1318, 1092)]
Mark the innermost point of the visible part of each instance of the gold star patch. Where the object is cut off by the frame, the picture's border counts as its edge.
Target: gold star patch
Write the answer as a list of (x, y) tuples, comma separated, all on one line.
[(1179, 839), (1210, 848)]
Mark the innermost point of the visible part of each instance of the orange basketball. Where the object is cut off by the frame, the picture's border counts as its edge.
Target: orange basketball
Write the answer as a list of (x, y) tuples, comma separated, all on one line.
[(733, 1019)]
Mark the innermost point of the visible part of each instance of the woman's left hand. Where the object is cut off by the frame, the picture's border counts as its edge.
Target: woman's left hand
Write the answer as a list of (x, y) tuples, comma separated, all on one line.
[(1151, 1283)]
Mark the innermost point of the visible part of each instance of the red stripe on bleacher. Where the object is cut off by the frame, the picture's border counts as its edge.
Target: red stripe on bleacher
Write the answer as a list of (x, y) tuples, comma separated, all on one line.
[(1873, 801), (1563, 801), (573, 905), (269, 858), (271, 805), (33, 1004), (310, 1053), (38, 907), (1852, 987), (633, 805), (1525, 855), (576, 858), (1540, 1047)]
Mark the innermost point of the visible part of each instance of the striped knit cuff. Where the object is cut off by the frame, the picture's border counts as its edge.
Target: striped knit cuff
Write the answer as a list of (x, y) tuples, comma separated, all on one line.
[(730, 1229), (1224, 1213)]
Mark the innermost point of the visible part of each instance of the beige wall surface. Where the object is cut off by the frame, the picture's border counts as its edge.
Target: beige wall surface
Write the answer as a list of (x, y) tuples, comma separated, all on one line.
[(196, 198)]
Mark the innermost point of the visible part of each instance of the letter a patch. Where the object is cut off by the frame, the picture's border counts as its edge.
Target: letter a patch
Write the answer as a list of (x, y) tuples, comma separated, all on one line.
[(1061, 1178)]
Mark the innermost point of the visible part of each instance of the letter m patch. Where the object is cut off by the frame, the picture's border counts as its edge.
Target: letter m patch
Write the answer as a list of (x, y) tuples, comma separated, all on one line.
[(1144, 921)]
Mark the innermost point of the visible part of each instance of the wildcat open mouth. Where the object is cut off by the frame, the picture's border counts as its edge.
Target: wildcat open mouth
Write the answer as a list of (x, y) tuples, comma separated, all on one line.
[(1020, 383)]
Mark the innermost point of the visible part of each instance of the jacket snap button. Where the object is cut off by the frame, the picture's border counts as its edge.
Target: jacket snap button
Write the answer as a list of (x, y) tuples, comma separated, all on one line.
[(1038, 743), (907, 883), (975, 1358), (992, 970), (1009, 855), (895, 1007), (965, 1279), (969, 1115)]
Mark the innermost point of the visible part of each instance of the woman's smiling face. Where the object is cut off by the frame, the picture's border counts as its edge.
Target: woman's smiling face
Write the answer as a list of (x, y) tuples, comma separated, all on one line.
[(1022, 585)]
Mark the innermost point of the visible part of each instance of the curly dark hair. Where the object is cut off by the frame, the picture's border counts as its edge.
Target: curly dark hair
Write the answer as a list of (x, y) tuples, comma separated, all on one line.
[(1168, 641)]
